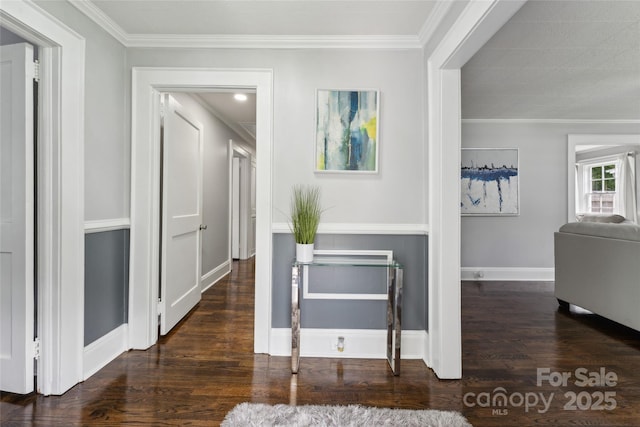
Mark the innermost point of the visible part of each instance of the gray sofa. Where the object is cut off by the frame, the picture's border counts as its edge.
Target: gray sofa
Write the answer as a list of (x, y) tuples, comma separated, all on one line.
[(597, 267)]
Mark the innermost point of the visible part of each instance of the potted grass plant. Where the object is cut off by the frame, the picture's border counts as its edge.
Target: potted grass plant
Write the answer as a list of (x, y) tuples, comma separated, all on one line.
[(305, 217)]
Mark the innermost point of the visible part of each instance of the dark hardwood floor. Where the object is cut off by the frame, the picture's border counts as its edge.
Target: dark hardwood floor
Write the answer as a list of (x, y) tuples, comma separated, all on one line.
[(206, 365)]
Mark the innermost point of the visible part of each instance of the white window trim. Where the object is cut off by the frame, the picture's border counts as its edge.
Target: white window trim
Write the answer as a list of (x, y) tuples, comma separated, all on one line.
[(586, 180), (588, 139)]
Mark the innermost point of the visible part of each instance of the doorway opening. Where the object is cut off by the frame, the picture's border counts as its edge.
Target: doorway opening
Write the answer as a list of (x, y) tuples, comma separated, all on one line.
[(148, 84), (477, 23), (199, 227), (242, 203), (581, 149)]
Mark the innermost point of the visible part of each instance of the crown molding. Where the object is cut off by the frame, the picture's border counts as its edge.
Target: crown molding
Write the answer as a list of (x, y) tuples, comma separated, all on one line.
[(98, 16), (433, 21), (219, 41), (550, 121), (273, 42)]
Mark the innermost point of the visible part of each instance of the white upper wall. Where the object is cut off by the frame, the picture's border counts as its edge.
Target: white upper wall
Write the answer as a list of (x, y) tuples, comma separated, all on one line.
[(106, 149), (393, 196), (396, 195)]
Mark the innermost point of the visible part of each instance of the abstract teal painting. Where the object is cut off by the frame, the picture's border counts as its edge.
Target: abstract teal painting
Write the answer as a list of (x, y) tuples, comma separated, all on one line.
[(347, 131)]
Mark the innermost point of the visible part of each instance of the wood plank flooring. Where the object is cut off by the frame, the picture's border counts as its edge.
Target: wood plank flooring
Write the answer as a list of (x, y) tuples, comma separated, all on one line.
[(206, 365)]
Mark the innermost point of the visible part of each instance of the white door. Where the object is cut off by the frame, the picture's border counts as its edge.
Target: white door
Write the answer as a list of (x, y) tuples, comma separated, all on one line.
[(181, 215), (235, 208), (17, 219)]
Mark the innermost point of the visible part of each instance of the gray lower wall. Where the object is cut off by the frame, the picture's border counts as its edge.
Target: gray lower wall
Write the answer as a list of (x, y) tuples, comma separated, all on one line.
[(106, 283), (411, 251)]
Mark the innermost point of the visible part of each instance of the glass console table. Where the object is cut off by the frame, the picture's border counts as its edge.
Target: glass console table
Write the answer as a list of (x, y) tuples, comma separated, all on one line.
[(394, 273)]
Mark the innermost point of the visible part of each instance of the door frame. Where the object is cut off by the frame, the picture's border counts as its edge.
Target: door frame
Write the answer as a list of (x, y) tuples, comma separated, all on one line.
[(478, 22), (60, 218), (147, 82)]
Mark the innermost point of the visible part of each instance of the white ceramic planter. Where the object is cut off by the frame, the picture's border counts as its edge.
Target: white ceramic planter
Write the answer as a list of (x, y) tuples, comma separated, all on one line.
[(304, 252)]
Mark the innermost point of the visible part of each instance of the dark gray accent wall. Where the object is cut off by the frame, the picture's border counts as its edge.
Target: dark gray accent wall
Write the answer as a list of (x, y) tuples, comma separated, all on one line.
[(106, 283), (409, 250)]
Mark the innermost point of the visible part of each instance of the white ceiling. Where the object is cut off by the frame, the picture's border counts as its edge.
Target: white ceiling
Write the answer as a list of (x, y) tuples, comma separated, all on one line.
[(269, 17), (556, 60), (238, 115), (567, 60)]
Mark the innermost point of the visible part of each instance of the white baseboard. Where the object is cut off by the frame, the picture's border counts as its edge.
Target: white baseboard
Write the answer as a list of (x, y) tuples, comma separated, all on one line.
[(358, 343), (507, 273), (426, 354), (212, 277), (103, 350)]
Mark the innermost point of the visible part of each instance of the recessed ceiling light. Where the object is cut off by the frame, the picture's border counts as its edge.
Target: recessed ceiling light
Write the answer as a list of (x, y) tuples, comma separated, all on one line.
[(240, 97)]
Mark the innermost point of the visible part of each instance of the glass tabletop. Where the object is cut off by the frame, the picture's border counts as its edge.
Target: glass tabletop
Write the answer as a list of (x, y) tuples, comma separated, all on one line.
[(349, 260)]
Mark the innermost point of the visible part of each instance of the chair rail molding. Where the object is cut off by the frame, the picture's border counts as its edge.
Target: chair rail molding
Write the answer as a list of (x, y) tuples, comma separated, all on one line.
[(352, 228), (101, 225)]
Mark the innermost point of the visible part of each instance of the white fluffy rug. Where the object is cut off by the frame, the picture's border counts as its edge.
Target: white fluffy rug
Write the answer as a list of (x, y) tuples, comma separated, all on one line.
[(257, 414)]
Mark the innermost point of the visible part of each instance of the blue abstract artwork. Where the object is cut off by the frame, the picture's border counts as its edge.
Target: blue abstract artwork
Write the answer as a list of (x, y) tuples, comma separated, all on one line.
[(489, 181), (347, 131)]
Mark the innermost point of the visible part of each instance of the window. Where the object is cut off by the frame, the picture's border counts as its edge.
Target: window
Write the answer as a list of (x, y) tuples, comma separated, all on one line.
[(603, 188), (593, 191)]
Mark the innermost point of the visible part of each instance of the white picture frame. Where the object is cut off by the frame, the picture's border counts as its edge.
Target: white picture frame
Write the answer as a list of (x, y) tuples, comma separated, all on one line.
[(347, 131), (489, 182)]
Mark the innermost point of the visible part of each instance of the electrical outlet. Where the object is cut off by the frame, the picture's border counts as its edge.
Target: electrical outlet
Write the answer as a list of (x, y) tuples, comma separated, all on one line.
[(340, 344)]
